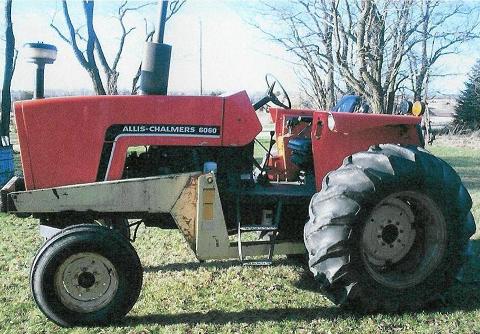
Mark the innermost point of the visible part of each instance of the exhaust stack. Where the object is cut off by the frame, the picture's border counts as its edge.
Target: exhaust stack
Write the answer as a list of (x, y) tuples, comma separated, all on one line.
[(156, 59), (40, 54)]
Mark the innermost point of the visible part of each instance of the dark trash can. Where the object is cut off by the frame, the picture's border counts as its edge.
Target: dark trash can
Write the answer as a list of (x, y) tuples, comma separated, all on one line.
[(7, 166)]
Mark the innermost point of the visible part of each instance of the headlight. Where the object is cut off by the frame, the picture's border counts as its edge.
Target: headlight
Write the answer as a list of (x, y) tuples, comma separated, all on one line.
[(331, 122)]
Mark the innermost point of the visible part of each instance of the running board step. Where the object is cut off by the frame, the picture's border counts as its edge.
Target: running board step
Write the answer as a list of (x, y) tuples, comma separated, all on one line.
[(258, 228), (256, 263)]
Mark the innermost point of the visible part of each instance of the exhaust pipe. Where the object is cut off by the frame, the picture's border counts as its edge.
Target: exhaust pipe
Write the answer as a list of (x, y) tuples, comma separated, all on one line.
[(156, 59)]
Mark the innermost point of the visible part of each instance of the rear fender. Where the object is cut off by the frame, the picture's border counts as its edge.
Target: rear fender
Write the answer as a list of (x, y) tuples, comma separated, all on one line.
[(350, 133)]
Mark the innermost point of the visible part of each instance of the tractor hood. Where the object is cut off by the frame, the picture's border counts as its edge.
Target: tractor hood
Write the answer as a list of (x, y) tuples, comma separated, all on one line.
[(75, 140)]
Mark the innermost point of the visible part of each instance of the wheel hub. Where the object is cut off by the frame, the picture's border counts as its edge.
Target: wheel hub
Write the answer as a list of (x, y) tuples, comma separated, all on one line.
[(388, 234), (85, 282)]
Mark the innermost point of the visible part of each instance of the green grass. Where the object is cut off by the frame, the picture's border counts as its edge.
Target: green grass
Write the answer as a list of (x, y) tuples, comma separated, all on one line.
[(466, 162), (182, 296)]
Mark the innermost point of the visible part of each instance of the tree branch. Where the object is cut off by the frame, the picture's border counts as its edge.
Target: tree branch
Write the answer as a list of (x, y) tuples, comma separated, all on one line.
[(174, 7), (73, 36)]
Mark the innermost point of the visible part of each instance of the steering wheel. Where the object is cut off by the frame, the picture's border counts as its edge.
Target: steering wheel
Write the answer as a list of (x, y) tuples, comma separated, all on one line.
[(282, 100)]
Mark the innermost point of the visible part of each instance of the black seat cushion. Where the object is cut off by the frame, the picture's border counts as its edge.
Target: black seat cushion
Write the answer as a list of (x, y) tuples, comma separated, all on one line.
[(301, 152)]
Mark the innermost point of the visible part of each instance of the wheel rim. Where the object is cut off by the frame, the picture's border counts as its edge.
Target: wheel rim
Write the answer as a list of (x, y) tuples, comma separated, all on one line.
[(86, 282), (403, 239)]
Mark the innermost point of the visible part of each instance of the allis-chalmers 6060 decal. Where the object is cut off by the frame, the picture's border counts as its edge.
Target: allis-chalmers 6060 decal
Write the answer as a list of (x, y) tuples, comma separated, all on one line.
[(115, 131), (123, 130)]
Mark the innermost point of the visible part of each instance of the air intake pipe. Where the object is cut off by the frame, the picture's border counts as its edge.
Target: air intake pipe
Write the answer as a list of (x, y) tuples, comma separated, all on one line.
[(156, 59), (39, 54)]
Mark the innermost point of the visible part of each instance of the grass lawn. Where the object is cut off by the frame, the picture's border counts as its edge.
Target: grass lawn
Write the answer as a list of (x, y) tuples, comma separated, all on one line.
[(181, 296)]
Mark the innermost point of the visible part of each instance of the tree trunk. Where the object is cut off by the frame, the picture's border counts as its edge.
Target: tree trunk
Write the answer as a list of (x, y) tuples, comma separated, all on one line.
[(96, 80), (8, 70), (390, 102), (330, 82), (377, 103), (328, 42), (418, 89), (112, 86), (417, 93)]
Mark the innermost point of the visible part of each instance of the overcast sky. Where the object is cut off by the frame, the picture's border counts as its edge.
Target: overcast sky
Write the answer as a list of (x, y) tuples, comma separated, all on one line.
[(235, 55)]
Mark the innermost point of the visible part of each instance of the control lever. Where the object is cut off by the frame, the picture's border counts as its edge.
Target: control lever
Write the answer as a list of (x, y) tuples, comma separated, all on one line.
[(262, 177), (272, 142)]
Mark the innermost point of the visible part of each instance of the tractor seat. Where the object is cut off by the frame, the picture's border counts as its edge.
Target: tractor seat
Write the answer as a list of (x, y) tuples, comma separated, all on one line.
[(301, 152)]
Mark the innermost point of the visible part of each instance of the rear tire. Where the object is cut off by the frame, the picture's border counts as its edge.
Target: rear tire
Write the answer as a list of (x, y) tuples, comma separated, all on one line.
[(86, 275), (389, 229)]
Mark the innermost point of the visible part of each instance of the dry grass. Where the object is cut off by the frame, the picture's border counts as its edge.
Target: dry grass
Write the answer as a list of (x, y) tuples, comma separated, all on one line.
[(469, 140)]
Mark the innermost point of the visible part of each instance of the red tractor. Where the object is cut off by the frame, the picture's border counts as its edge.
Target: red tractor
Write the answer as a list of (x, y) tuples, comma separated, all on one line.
[(385, 224)]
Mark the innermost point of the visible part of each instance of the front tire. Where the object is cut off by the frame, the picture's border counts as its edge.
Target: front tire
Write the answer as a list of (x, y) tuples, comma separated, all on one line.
[(86, 275), (389, 229)]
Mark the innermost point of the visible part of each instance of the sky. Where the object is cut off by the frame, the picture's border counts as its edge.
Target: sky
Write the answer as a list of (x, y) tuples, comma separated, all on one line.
[(236, 56)]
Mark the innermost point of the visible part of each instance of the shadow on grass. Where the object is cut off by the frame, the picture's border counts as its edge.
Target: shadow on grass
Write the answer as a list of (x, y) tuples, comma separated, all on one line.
[(248, 316), (460, 302), (464, 295), (210, 264)]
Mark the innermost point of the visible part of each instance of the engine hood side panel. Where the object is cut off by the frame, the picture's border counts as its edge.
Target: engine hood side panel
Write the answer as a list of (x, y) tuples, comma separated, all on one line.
[(62, 139)]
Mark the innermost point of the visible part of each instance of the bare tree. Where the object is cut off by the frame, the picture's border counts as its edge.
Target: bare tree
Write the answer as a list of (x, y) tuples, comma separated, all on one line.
[(446, 25), (87, 61), (378, 36), (307, 36), (173, 8), (9, 68), (344, 47), (322, 19), (360, 46), (111, 71), (94, 50)]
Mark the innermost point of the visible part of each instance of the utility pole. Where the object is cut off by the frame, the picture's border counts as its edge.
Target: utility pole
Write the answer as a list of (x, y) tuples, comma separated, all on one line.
[(201, 60)]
